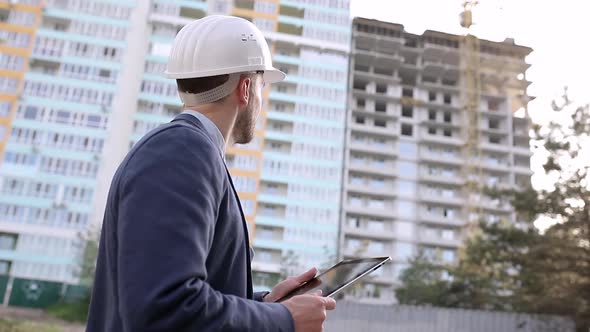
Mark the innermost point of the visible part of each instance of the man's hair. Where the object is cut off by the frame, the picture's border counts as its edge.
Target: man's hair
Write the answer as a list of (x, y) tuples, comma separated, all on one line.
[(201, 84)]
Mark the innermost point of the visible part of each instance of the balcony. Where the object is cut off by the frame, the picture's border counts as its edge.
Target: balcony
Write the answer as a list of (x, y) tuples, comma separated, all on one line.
[(523, 169), (364, 210), (386, 169), (427, 196), (441, 158), (494, 147), (387, 149), (290, 11), (266, 267), (290, 29), (367, 37), (385, 191), (494, 165), (508, 63), (443, 179), (440, 219), (440, 139), (432, 50), (380, 234), (439, 241), (522, 150), (372, 129)]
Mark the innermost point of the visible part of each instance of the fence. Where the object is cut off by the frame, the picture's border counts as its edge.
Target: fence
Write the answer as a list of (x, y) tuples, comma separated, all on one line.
[(351, 316), (31, 293)]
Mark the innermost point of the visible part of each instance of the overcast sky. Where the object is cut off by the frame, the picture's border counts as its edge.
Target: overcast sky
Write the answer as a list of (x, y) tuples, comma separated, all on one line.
[(558, 32)]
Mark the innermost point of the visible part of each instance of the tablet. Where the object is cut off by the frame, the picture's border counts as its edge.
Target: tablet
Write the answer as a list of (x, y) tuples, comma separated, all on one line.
[(339, 276)]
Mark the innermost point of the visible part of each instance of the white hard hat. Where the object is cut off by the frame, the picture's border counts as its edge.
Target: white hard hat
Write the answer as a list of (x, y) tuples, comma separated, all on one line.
[(218, 45)]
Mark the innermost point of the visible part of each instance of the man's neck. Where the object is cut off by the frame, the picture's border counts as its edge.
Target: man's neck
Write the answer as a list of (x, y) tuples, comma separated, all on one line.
[(223, 116)]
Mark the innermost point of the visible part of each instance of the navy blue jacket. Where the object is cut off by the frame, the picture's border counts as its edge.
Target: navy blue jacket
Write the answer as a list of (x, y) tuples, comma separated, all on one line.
[(174, 252)]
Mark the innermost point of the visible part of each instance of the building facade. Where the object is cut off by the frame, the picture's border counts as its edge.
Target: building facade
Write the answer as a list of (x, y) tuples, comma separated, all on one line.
[(82, 81), (404, 180), (358, 153)]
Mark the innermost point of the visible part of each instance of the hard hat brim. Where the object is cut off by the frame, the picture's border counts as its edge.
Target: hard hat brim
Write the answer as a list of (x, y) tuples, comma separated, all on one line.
[(273, 75)]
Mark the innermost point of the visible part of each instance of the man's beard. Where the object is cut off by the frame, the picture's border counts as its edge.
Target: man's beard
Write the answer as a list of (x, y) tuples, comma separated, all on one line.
[(245, 124)]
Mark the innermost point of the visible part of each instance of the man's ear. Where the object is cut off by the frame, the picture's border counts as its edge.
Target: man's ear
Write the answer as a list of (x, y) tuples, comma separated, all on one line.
[(244, 90)]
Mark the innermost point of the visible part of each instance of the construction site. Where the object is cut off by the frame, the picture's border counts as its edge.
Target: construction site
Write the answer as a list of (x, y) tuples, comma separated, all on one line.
[(380, 142)]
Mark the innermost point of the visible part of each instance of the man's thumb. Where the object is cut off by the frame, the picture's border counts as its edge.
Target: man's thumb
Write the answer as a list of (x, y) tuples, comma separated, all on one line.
[(306, 276)]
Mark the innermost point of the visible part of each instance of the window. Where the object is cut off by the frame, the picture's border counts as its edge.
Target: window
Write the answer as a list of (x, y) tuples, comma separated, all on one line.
[(5, 108), (355, 200), (407, 149), (431, 130), (407, 111), (354, 222), (405, 229), (447, 132), (494, 139), (493, 105), (431, 96), (429, 79), (447, 117), (403, 250), (4, 267), (447, 99), (407, 129), (377, 182), (448, 255), (360, 120), (448, 234), (104, 73), (7, 240), (448, 213), (381, 88), (407, 169), (356, 180), (377, 203), (8, 85), (406, 188), (360, 103), (380, 107), (380, 123), (432, 115), (494, 124), (406, 209), (406, 92), (264, 233), (376, 247), (263, 255), (375, 225)]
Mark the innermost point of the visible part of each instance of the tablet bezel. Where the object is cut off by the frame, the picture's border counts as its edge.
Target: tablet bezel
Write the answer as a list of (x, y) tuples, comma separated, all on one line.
[(379, 261)]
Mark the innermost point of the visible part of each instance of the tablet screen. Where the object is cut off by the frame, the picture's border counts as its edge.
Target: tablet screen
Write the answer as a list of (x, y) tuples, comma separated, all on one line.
[(338, 276)]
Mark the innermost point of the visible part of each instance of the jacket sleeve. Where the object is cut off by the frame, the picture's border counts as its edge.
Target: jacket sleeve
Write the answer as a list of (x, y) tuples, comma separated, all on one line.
[(168, 203), (259, 296)]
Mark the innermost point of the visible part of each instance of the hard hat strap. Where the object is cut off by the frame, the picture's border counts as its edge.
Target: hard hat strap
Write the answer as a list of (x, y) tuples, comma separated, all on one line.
[(207, 97)]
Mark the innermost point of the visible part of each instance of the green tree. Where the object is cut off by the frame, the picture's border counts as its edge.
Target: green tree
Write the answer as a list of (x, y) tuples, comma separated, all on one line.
[(423, 283), (76, 309), (515, 266)]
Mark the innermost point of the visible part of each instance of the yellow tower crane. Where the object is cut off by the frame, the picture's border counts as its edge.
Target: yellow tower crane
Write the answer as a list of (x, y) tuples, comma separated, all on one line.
[(470, 84)]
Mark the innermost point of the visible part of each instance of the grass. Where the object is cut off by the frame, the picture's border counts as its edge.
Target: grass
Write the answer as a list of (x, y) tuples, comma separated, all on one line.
[(10, 325)]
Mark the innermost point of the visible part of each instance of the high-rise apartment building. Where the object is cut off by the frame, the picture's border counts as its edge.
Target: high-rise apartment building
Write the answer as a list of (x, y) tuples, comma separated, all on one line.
[(82, 82), (404, 180)]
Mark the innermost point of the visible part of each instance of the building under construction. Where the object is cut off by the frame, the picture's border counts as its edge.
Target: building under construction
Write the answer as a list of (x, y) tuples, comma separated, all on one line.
[(432, 119)]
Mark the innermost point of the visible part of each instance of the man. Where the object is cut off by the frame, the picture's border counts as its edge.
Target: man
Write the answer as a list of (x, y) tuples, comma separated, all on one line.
[(174, 252)]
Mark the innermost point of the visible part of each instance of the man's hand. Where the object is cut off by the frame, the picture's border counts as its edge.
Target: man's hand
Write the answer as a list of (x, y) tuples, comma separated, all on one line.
[(309, 311), (285, 287)]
